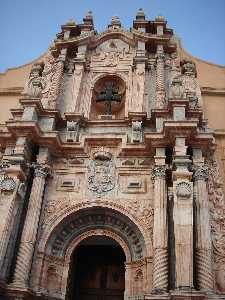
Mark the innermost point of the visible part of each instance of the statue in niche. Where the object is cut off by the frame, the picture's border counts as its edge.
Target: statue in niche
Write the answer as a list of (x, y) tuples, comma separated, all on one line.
[(108, 95), (137, 132)]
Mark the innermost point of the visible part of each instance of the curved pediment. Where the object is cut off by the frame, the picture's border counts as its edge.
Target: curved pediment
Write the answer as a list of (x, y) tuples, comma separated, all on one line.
[(114, 34)]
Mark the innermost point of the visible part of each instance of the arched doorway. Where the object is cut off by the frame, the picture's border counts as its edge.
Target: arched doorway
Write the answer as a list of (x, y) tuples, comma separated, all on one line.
[(97, 270)]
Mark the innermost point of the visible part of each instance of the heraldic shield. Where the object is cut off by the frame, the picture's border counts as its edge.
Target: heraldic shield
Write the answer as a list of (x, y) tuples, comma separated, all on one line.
[(101, 176)]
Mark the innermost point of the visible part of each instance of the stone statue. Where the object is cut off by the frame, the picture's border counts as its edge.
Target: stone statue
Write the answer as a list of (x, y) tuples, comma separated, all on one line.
[(188, 68), (176, 89), (137, 132), (72, 131), (34, 87)]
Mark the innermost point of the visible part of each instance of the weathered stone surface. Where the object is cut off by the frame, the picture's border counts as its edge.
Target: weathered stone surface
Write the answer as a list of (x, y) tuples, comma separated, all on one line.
[(109, 147)]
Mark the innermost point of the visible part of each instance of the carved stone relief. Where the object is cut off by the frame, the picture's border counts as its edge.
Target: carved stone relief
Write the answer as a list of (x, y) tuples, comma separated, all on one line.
[(137, 132), (7, 184), (183, 190), (217, 209), (34, 85), (176, 89), (101, 173)]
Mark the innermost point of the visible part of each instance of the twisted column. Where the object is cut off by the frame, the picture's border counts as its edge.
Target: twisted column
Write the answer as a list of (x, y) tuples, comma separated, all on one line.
[(160, 78), (203, 253), (55, 85), (26, 249), (160, 260)]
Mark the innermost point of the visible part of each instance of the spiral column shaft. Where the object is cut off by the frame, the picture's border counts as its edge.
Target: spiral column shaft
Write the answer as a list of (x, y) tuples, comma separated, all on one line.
[(160, 236), (26, 249), (203, 253)]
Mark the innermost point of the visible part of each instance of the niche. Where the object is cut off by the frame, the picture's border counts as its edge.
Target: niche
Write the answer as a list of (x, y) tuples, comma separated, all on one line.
[(108, 98)]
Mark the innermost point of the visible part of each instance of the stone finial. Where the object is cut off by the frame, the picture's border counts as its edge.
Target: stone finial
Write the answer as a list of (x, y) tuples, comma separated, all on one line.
[(140, 14), (89, 15), (71, 22), (159, 18), (115, 22), (88, 19)]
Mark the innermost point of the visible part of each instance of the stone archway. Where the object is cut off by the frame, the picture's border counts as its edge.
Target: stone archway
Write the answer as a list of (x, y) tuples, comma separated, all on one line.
[(97, 270), (79, 226)]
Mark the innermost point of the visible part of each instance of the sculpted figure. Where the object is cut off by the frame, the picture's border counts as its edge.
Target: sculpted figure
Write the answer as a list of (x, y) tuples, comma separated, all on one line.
[(137, 131), (34, 87), (176, 89), (188, 67)]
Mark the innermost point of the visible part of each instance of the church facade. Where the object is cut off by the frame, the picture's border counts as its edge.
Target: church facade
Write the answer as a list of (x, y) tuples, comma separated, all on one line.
[(112, 169)]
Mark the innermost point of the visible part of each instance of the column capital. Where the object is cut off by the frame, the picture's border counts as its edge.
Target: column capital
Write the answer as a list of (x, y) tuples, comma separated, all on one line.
[(159, 172), (41, 170), (200, 172)]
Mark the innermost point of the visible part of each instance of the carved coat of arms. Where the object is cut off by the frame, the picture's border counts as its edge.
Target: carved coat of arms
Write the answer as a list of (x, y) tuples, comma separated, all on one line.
[(101, 177)]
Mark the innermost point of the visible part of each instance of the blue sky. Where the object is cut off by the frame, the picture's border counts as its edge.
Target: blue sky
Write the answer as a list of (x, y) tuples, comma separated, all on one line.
[(28, 26)]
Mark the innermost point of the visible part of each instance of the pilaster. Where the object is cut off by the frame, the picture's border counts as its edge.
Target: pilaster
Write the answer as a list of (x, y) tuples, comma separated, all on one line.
[(203, 249), (183, 217), (160, 235)]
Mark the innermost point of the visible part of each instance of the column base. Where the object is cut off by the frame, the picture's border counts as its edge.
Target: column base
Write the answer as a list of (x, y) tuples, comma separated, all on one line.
[(191, 294), (159, 291)]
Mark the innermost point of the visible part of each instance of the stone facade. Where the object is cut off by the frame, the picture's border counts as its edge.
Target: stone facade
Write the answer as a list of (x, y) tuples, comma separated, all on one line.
[(109, 141)]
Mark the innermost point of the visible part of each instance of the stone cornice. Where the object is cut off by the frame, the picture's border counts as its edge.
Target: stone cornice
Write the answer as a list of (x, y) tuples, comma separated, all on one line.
[(12, 91), (209, 91)]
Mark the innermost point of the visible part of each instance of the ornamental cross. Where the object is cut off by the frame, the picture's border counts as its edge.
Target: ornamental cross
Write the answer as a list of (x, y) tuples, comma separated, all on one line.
[(108, 94)]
